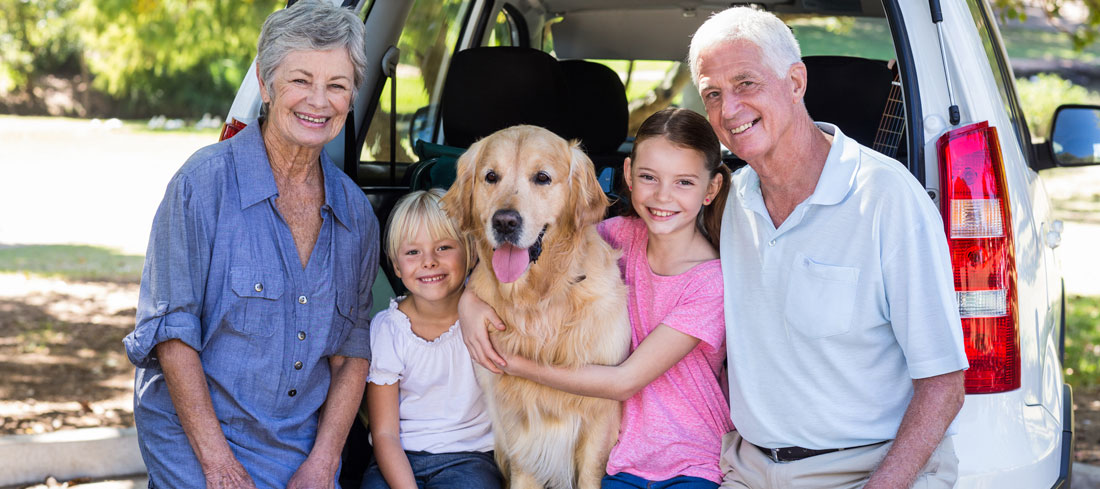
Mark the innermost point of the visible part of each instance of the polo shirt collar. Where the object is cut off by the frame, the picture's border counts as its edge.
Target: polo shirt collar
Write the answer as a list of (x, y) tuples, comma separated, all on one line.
[(256, 182), (839, 174)]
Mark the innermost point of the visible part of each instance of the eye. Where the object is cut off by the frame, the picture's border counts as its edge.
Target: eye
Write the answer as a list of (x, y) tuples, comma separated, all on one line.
[(337, 86), (542, 178), (711, 95), (412, 252), (445, 247), (491, 177), (298, 81), (646, 177), (686, 182)]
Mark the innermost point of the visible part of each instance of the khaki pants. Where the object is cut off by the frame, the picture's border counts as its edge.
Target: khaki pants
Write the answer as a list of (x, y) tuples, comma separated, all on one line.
[(745, 466)]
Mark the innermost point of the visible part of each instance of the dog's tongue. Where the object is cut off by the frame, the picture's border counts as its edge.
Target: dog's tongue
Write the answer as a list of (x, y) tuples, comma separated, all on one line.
[(510, 262)]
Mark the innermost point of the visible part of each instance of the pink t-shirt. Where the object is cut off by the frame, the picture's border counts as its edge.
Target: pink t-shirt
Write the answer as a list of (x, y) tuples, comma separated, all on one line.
[(674, 425)]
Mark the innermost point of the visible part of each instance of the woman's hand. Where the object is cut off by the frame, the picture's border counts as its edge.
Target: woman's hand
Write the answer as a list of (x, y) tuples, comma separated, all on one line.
[(227, 474), (475, 317), (314, 474)]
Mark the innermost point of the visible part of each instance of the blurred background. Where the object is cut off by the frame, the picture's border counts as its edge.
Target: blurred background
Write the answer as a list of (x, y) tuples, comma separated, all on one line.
[(101, 101)]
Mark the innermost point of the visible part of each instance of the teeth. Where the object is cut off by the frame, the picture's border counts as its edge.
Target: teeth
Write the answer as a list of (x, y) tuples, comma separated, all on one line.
[(311, 119), (660, 213), (742, 128), (432, 279)]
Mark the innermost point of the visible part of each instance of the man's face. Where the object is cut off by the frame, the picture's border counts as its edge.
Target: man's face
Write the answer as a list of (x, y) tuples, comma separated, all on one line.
[(749, 107)]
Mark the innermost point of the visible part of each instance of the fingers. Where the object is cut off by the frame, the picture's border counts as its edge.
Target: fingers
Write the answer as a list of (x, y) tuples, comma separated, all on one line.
[(480, 350), (490, 352), (493, 319)]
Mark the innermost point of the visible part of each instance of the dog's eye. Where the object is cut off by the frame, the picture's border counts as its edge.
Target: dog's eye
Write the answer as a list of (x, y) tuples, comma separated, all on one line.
[(542, 178), (491, 177)]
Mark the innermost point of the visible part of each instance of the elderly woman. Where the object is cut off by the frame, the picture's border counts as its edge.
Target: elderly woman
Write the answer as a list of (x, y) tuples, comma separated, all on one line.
[(252, 341)]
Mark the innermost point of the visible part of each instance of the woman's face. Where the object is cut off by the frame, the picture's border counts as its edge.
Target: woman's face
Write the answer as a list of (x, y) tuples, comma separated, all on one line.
[(312, 92)]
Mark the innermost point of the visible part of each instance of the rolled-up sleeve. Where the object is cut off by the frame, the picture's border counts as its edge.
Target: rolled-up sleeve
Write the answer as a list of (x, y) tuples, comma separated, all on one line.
[(357, 344), (172, 281)]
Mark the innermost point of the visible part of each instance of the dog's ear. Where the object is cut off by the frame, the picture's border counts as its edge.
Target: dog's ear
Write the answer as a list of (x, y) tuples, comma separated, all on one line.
[(458, 202), (590, 203)]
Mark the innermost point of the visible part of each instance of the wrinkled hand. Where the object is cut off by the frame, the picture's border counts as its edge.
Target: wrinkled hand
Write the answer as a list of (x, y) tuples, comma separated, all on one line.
[(475, 317), (313, 474), (229, 474)]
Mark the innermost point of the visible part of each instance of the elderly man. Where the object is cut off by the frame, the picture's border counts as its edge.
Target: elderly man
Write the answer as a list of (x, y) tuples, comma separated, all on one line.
[(844, 341)]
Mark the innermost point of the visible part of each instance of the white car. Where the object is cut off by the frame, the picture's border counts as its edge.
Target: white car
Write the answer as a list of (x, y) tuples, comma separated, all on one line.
[(949, 111)]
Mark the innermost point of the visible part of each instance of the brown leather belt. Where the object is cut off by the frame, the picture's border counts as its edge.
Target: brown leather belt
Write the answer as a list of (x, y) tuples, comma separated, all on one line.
[(791, 454)]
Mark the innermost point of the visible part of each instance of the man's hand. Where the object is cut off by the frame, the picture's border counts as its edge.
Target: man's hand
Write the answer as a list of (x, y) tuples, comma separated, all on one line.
[(475, 317), (314, 474), (227, 474)]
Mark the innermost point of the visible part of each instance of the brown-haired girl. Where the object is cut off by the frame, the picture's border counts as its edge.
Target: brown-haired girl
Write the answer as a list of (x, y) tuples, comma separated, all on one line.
[(674, 411)]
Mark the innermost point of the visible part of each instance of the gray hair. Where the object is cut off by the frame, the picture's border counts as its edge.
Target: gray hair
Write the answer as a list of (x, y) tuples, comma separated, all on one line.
[(310, 25), (779, 47)]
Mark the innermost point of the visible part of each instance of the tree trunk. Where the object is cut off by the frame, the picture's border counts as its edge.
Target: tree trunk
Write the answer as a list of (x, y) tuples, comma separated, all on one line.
[(676, 78)]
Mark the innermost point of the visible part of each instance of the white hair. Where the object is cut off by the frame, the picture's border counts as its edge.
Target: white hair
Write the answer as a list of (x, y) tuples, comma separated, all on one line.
[(311, 25), (777, 45)]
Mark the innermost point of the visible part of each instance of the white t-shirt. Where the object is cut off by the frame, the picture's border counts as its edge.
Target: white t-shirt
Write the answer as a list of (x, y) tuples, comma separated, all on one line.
[(440, 405), (830, 316)]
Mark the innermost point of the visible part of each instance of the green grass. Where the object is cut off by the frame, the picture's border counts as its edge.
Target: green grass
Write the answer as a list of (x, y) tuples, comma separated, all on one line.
[(1082, 364), (1036, 44), (72, 262)]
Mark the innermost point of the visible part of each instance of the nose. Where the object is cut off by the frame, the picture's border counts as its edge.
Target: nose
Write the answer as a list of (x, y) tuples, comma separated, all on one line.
[(316, 95), (506, 224), (731, 104)]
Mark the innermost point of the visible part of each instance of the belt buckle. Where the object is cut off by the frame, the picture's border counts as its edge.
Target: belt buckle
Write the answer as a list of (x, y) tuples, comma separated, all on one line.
[(775, 454)]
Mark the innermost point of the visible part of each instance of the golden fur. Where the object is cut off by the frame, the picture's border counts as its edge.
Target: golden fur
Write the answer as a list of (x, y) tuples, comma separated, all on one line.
[(568, 309)]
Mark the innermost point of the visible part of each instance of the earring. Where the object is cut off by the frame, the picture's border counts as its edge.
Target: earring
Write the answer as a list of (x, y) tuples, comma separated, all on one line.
[(706, 201)]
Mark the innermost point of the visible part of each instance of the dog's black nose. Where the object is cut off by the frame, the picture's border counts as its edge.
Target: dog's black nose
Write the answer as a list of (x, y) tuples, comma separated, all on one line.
[(506, 222)]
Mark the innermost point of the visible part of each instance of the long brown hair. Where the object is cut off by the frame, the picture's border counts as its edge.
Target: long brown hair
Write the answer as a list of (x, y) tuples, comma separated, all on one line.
[(688, 129)]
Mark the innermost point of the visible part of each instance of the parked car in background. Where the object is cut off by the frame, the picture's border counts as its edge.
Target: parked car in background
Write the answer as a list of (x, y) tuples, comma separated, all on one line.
[(926, 82)]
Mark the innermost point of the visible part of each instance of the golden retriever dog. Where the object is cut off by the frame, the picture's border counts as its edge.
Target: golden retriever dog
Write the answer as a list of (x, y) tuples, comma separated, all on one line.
[(531, 199)]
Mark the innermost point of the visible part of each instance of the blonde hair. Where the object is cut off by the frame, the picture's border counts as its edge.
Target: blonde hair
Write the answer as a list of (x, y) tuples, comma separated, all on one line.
[(776, 42), (421, 209)]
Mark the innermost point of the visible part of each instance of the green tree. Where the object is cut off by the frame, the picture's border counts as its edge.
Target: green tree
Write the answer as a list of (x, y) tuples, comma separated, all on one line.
[(172, 57), (35, 37), (1082, 35)]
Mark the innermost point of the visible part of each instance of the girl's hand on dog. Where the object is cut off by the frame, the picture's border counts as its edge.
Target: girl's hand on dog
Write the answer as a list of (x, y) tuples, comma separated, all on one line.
[(475, 317)]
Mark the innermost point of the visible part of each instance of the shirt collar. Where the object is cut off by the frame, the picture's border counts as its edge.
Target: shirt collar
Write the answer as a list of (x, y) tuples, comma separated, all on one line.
[(256, 182), (839, 174), (836, 180)]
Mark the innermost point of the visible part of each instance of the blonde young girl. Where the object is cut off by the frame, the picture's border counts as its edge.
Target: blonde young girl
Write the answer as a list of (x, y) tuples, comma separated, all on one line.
[(428, 422), (674, 411)]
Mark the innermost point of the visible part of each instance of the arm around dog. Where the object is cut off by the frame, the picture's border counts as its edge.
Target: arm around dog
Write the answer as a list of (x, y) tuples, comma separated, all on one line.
[(474, 318), (658, 352)]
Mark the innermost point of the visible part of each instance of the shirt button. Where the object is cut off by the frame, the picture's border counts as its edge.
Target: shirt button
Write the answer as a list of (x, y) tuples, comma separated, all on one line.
[(302, 335), (302, 299), (772, 243), (259, 287), (297, 365), (292, 393)]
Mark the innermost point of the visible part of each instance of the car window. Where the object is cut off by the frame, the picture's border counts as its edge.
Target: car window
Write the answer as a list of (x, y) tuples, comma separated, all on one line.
[(1002, 72), (506, 29), (427, 42)]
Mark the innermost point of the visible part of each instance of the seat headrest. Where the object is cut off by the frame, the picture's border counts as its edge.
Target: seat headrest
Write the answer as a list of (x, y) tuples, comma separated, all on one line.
[(598, 114), (491, 88)]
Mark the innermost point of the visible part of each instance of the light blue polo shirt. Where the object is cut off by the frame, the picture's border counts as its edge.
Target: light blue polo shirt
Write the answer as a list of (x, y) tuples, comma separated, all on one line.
[(830, 316)]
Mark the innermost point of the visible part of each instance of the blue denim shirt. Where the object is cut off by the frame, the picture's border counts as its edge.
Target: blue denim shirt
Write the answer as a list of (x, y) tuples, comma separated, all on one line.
[(222, 274)]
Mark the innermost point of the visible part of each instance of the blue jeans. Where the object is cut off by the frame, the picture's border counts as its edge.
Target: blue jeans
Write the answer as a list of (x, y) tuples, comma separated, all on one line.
[(623, 480), (459, 470)]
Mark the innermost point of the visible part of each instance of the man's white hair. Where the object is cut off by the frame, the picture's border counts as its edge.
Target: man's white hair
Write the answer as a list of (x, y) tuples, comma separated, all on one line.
[(777, 45)]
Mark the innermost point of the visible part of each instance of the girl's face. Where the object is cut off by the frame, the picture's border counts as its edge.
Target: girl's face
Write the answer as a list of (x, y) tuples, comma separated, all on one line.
[(432, 269), (669, 185)]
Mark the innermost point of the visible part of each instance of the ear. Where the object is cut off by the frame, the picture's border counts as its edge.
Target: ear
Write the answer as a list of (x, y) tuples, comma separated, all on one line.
[(797, 75), (714, 186), (590, 203), (626, 171), (458, 202), (264, 96)]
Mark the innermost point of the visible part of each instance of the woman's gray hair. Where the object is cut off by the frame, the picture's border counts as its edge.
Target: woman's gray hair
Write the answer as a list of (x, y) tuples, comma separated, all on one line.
[(310, 25), (777, 45)]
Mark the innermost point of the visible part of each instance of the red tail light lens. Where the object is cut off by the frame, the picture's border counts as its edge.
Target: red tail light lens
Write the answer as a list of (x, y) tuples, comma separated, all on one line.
[(979, 234), (231, 128)]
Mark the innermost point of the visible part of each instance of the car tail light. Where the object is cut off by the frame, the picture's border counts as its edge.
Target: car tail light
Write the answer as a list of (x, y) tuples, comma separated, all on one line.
[(979, 234), (231, 128)]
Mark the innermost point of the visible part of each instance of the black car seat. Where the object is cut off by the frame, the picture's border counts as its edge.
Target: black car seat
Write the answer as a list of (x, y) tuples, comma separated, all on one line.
[(849, 92)]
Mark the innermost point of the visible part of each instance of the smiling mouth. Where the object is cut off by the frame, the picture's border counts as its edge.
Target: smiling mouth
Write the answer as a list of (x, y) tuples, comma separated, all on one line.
[(743, 127), (432, 279), (661, 213), (315, 120)]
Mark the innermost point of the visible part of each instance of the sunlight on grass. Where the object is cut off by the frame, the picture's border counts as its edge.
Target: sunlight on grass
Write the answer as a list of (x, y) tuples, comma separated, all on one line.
[(72, 262), (1082, 363)]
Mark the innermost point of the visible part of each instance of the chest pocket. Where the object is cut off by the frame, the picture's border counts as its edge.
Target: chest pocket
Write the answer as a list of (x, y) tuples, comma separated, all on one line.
[(258, 311), (821, 298), (342, 320)]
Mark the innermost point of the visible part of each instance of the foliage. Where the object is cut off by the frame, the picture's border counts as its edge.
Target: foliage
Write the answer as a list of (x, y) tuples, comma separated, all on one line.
[(183, 57), (34, 36), (1082, 363), (72, 262), (1081, 35), (1041, 94)]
